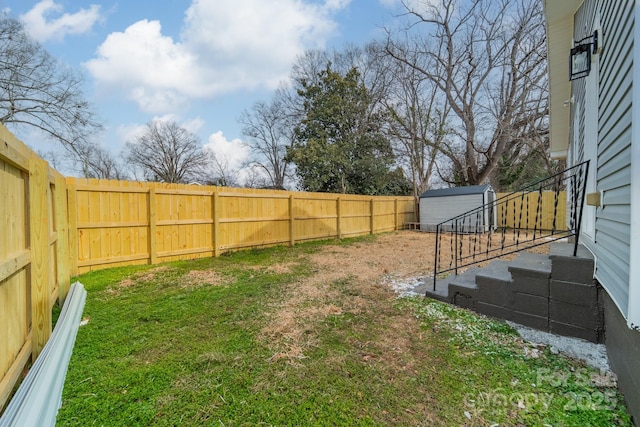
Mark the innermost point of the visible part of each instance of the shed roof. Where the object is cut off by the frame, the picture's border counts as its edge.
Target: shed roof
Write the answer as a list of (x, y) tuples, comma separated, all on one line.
[(456, 191)]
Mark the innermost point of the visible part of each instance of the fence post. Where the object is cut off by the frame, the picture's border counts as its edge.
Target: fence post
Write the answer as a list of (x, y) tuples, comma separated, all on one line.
[(152, 225), (338, 219), (72, 211), (395, 214), (39, 244), (371, 217), (62, 227), (215, 210), (292, 239)]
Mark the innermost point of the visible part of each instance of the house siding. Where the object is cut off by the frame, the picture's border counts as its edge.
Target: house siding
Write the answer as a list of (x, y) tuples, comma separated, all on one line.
[(616, 235), (611, 245), (613, 171)]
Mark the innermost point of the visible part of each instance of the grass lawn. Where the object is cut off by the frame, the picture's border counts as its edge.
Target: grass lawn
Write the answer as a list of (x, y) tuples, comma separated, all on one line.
[(282, 336)]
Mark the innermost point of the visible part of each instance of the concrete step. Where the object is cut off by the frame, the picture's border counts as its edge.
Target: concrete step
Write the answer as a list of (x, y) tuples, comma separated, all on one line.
[(494, 283), (441, 292), (463, 290), (447, 287), (531, 265), (496, 270), (558, 249), (567, 268)]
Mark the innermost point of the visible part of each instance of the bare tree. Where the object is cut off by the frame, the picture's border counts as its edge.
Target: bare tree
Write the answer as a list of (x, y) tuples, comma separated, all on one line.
[(269, 133), (167, 152), (488, 59), (255, 178), (417, 118), (365, 59), (219, 172), (97, 162), (39, 92)]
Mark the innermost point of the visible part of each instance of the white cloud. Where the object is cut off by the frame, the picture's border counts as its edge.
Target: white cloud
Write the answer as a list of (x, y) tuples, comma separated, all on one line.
[(225, 45), (234, 152), (194, 125), (44, 22), (129, 132)]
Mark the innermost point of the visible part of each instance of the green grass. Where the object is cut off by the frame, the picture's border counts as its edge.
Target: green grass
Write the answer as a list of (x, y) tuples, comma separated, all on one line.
[(159, 352)]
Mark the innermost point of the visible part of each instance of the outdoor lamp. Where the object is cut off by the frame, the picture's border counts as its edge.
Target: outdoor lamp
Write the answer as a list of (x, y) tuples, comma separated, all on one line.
[(580, 57)]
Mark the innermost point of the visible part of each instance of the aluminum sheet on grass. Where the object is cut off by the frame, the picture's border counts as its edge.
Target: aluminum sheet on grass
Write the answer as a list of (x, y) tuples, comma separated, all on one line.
[(39, 397)]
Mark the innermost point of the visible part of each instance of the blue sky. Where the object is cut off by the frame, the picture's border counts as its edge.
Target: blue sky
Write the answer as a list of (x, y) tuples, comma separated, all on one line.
[(198, 62)]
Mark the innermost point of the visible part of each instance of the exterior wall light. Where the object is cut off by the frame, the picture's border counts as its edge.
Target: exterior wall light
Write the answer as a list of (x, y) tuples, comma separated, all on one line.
[(580, 56)]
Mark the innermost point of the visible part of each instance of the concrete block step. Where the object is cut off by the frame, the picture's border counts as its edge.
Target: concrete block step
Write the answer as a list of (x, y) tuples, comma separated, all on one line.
[(447, 287), (531, 265), (441, 292), (463, 290), (567, 268), (495, 271), (466, 279), (563, 249)]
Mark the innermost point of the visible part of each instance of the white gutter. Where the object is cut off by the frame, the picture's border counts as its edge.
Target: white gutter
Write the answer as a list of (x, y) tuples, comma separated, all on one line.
[(39, 397)]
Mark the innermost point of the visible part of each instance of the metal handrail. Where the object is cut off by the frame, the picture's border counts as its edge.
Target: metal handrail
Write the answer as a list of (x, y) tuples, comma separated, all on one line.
[(471, 234)]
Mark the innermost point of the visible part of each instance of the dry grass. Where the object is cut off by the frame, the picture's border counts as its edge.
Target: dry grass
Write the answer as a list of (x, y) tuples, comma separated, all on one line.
[(358, 270), (198, 278), (366, 267)]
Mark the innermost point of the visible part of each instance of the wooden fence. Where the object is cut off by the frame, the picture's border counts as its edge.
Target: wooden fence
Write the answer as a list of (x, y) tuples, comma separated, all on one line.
[(116, 223), (521, 209), (53, 227), (34, 255)]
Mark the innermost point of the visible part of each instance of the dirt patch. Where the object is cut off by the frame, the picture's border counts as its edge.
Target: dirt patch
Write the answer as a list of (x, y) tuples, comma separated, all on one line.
[(353, 279), (277, 268), (350, 279), (199, 278), (144, 276), (127, 282)]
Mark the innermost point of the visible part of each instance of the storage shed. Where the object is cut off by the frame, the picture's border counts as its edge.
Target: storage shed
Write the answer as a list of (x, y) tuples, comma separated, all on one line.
[(437, 206)]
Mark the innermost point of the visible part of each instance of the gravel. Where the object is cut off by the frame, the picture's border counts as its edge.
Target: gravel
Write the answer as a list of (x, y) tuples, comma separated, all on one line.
[(594, 355)]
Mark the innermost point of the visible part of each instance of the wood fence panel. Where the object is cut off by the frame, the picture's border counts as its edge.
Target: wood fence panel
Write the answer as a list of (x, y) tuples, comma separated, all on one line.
[(315, 218), (355, 216), (385, 215), (138, 223), (259, 218), (32, 275), (522, 209), (63, 264), (39, 244), (406, 211), (52, 239), (15, 310)]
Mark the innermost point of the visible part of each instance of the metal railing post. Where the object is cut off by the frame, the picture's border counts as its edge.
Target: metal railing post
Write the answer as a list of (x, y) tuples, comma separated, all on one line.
[(435, 260), (455, 258)]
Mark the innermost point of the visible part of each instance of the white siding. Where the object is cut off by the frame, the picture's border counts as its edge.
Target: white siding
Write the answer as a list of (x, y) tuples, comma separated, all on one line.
[(434, 210)]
